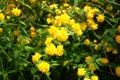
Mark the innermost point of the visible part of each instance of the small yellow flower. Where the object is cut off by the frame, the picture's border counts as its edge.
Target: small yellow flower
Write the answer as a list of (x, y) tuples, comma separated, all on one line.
[(81, 72), (16, 32), (91, 67), (94, 77), (8, 17), (2, 16), (88, 58), (94, 26), (115, 51), (51, 49), (60, 50), (16, 11), (86, 42), (36, 57), (86, 8), (108, 49), (100, 18), (65, 62), (11, 6), (48, 41), (31, 1), (83, 26), (104, 60), (44, 67), (117, 39), (96, 47), (117, 71), (86, 79), (109, 7)]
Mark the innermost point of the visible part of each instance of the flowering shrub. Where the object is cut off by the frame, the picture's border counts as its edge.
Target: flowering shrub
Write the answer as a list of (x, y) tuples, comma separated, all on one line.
[(68, 39)]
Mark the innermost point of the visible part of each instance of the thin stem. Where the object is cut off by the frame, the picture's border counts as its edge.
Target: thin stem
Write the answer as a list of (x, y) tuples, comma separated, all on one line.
[(4, 52), (113, 2)]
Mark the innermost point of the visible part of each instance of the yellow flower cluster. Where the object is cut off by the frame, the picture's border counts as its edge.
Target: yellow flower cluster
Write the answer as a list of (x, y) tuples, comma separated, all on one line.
[(94, 77), (2, 16), (59, 34), (81, 72), (44, 67), (53, 50), (36, 57), (90, 13), (16, 11)]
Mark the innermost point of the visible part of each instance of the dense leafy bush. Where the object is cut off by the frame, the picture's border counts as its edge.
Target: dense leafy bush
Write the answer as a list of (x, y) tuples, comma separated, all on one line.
[(59, 39)]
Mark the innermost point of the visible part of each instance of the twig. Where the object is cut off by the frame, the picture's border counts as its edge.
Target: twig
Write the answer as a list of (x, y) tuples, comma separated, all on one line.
[(113, 2)]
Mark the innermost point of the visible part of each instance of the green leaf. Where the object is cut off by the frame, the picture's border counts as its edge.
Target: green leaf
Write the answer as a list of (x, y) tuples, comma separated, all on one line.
[(28, 6), (28, 48)]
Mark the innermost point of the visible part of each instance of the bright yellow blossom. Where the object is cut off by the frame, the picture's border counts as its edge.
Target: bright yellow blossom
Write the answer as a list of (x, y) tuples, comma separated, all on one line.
[(60, 50), (104, 60), (48, 41), (91, 67), (86, 42), (44, 67), (86, 79), (36, 57), (81, 72), (1, 29), (2, 16), (117, 39), (108, 49), (88, 58), (100, 18), (51, 49), (117, 71), (94, 77), (118, 29), (83, 26), (16, 11)]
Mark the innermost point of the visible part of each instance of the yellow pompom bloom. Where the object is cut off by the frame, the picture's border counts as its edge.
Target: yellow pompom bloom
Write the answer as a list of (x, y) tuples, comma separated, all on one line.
[(60, 50), (108, 49), (61, 35), (86, 79), (117, 39), (2, 16), (96, 47), (53, 30), (36, 57), (48, 41), (88, 58), (109, 7), (65, 62), (44, 67), (94, 26), (72, 21), (81, 72), (49, 20), (77, 29), (87, 8), (104, 60), (94, 77), (117, 71), (89, 15), (83, 26), (91, 67), (114, 51), (100, 18), (50, 49), (86, 42), (16, 11)]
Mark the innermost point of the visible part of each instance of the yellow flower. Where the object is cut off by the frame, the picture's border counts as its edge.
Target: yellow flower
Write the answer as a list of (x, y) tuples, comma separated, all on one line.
[(60, 50), (48, 41), (72, 21), (95, 10), (108, 49), (117, 39), (44, 67), (86, 42), (88, 58), (109, 7), (96, 47), (2, 16), (83, 26), (91, 67), (118, 28), (86, 79), (114, 51), (36, 57), (16, 32), (77, 29), (89, 15), (94, 26), (11, 6), (1, 29), (81, 72), (61, 35), (94, 77), (65, 4), (50, 49), (49, 20), (65, 62), (16, 11), (117, 71), (104, 60), (53, 30), (100, 18), (86, 8)]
